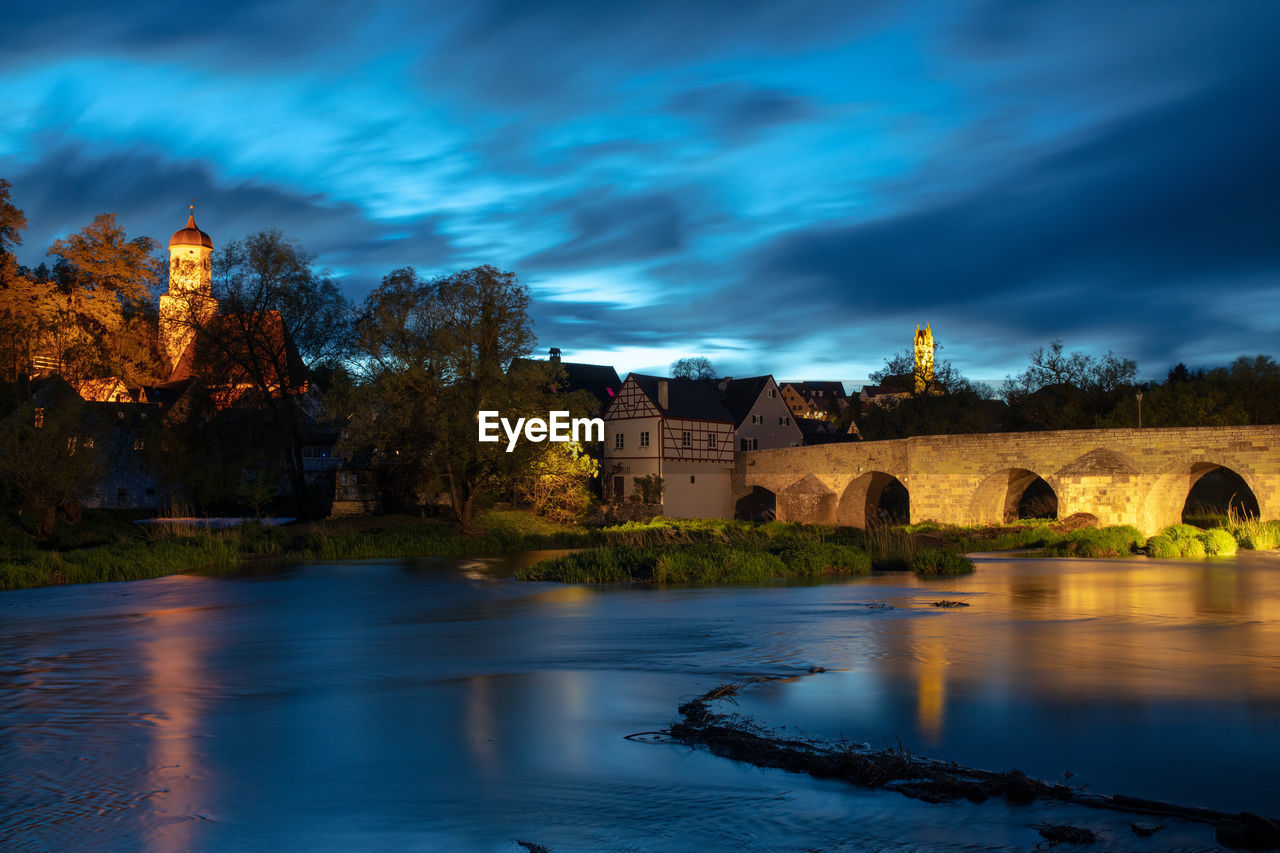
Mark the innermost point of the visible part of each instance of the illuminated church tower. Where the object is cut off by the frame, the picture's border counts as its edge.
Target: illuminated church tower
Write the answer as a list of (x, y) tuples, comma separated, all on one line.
[(190, 298), (924, 358)]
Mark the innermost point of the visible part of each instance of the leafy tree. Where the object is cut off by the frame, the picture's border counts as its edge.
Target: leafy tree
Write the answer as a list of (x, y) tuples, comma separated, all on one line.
[(434, 354), (100, 257), (12, 223), (695, 367), (82, 314), (1245, 392), (14, 321)]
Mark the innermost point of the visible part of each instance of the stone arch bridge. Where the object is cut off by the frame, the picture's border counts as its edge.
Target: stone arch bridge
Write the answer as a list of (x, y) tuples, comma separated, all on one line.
[(1121, 476)]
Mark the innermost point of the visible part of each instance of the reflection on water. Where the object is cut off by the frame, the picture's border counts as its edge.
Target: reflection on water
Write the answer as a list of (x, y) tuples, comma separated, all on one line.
[(443, 705)]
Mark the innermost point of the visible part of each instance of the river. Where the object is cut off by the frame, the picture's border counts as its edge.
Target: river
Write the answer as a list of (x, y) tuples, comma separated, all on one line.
[(442, 705)]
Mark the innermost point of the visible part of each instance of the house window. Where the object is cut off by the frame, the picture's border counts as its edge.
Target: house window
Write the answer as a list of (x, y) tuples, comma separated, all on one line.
[(138, 444), (686, 440), (71, 445), (39, 418), (618, 442), (691, 479), (750, 443), (87, 441), (773, 392), (644, 438), (711, 441), (784, 421)]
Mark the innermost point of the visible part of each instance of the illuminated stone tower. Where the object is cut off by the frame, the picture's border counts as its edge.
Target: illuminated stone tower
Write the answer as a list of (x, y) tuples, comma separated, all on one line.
[(189, 301), (924, 358)]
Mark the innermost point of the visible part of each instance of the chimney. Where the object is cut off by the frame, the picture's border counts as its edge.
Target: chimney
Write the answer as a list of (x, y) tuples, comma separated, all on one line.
[(555, 355), (723, 384), (663, 393)]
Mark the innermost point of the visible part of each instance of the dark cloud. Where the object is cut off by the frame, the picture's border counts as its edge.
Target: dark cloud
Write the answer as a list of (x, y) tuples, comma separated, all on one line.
[(810, 178), (735, 111), (561, 56), (251, 32), (1140, 219), (612, 229), (150, 193)]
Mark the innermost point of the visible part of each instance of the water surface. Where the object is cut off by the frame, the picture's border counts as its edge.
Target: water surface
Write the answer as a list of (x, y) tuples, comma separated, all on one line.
[(442, 705)]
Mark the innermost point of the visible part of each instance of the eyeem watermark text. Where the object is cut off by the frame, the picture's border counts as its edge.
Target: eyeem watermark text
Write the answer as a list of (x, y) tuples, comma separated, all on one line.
[(557, 427)]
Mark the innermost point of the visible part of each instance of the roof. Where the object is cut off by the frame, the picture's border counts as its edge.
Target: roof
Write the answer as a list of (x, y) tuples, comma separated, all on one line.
[(269, 336), (829, 389), (190, 235), (739, 395), (599, 380), (695, 399)]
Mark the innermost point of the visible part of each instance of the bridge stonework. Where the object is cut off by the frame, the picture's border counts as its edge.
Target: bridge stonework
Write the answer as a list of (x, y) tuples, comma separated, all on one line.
[(1121, 476)]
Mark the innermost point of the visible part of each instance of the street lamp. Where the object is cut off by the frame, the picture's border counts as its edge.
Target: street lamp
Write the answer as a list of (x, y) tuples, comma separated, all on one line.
[(1139, 396)]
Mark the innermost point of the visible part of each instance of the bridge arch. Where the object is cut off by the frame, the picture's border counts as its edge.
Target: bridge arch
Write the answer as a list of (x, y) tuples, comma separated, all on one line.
[(760, 504), (873, 498), (999, 498), (1168, 498)]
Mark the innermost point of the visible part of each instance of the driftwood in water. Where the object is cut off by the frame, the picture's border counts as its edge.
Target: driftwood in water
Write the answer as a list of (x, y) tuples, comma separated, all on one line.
[(924, 778)]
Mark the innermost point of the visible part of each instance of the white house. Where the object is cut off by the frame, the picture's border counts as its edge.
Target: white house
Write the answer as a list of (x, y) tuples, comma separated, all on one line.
[(678, 430)]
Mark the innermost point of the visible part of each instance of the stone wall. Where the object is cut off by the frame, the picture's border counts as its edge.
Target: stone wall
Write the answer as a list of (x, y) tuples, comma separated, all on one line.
[(1121, 476)]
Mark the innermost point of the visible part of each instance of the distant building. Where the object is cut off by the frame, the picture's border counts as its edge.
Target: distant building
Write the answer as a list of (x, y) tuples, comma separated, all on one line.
[(675, 429), (894, 387), (818, 400)]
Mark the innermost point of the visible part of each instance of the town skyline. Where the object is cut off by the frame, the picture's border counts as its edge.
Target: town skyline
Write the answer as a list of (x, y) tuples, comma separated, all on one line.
[(790, 195)]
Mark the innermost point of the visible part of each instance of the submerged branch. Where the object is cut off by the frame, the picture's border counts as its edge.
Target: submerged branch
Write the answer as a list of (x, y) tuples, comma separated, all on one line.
[(926, 779)]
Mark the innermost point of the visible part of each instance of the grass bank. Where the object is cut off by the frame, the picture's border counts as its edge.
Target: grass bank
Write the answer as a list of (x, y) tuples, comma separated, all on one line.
[(109, 546), (715, 552)]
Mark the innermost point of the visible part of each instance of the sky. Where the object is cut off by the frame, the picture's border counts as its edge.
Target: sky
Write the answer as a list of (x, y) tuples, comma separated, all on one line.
[(784, 188)]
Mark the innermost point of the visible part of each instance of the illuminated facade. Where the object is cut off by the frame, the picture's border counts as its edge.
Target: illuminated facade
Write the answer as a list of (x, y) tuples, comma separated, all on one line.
[(189, 302), (923, 358)]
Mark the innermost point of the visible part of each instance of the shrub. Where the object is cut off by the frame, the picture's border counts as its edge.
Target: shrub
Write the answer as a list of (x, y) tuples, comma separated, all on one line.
[(1163, 547), (813, 559), (1218, 542), (1183, 540), (1118, 541), (940, 562)]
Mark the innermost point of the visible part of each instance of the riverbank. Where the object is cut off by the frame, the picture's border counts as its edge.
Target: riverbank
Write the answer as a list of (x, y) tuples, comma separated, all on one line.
[(109, 546), (742, 552)]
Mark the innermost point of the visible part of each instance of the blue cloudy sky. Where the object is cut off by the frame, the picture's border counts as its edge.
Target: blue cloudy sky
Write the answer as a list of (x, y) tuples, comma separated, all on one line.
[(784, 187)]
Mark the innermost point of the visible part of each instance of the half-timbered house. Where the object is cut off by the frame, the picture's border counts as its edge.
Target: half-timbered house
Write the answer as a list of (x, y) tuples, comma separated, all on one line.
[(676, 429)]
